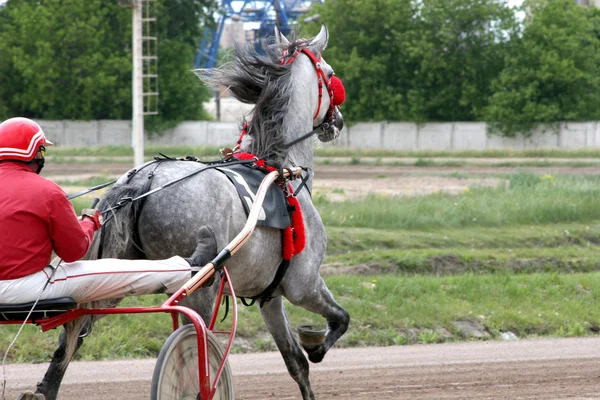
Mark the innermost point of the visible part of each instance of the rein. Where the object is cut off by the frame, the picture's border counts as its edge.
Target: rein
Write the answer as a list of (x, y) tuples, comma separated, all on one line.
[(126, 200)]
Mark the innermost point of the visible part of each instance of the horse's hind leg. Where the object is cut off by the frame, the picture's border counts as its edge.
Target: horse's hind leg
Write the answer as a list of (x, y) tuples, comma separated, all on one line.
[(56, 370), (321, 302), (274, 315)]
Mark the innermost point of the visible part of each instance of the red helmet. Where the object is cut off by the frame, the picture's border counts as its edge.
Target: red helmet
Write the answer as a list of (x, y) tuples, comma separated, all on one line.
[(20, 139)]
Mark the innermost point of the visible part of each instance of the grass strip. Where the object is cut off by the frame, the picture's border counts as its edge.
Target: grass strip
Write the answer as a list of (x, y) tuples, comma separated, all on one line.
[(385, 310), (527, 199), (344, 240), (440, 162), (489, 153), (454, 261)]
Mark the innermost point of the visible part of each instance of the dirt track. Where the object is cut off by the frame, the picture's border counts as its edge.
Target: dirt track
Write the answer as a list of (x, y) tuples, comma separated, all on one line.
[(529, 369)]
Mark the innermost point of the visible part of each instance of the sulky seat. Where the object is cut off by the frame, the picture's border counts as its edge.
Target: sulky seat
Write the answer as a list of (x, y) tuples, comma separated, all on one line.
[(43, 309)]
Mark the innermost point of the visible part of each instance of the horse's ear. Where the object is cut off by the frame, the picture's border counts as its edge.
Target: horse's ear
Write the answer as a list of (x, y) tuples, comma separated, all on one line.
[(320, 41), (280, 38)]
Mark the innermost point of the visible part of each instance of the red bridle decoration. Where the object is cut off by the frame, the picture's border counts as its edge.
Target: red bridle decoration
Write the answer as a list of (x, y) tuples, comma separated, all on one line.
[(339, 93), (335, 87)]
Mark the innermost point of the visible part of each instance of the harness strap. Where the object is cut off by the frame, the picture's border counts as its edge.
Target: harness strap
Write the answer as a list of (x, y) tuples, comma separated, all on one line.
[(267, 294), (137, 210), (125, 200)]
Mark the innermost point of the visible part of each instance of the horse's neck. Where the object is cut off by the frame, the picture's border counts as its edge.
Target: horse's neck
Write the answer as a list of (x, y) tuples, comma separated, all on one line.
[(299, 120)]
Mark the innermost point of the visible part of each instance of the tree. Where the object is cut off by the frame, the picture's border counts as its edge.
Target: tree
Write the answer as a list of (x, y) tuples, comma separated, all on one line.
[(417, 60), (459, 48), (71, 59), (368, 48), (553, 74)]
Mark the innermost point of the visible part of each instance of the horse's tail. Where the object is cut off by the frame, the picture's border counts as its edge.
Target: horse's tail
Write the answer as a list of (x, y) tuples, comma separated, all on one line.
[(75, 330), (120, 216), (113, 240)]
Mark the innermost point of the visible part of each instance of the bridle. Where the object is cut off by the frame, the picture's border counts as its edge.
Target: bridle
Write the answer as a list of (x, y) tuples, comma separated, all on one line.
[(321, 76), (333, 113)]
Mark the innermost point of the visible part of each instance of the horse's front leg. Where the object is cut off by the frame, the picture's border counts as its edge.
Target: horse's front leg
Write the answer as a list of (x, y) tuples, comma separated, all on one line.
[(56, 370), (274, 315)]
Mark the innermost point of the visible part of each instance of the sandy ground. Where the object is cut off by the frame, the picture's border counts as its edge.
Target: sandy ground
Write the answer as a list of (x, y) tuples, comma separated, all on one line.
[(529, 369)]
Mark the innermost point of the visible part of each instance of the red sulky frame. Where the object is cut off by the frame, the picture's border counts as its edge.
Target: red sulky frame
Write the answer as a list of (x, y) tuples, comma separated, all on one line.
[(207, 390)]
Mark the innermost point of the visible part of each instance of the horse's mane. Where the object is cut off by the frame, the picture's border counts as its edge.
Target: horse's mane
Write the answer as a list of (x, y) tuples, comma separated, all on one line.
[(261, 80)]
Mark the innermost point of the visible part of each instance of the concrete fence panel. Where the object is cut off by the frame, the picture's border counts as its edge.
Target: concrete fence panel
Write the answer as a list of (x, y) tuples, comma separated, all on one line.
[(222, 133), (573, 135), (55, 131), (82, 133), (114, 133), (400, 136), (542, 138), (595, 134), (365, 135), (469, 136), (435, 136), (501, 142), (188, 133), (389, 135)]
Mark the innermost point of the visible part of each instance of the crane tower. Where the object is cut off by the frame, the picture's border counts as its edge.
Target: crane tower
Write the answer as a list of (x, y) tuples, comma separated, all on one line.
[(260, 17)]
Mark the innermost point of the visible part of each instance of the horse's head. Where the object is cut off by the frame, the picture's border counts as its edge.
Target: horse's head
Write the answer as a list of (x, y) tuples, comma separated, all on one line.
[(294, 91), (330, 92)]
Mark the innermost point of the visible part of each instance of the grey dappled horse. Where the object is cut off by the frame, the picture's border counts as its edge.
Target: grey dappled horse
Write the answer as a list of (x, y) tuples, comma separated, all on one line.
[(286, 98)]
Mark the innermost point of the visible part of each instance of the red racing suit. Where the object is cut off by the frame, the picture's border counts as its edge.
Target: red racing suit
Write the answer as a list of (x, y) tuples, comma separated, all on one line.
[(36, 218)]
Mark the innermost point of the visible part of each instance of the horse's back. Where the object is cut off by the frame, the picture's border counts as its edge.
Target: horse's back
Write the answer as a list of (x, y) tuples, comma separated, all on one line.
[(171, 218)]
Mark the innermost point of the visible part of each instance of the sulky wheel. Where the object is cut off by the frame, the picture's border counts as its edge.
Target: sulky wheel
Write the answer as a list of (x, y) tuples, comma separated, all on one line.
[(176, 372)]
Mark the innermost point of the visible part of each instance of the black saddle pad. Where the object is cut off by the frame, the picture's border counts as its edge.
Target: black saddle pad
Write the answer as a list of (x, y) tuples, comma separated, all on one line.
[(247, 180)]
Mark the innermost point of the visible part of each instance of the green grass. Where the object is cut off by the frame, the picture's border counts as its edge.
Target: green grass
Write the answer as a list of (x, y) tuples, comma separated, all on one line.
[(385, 310), (500, 153), (527, 199), (343, 240), (90, 182), (452, 261)]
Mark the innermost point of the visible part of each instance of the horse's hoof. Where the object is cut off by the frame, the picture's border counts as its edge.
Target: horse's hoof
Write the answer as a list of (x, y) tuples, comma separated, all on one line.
[(312, 341), (29, 395), (311, 338), (315, 355)]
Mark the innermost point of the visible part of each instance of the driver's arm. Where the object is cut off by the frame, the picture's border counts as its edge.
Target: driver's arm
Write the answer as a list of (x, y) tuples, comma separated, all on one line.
[(71, 237)]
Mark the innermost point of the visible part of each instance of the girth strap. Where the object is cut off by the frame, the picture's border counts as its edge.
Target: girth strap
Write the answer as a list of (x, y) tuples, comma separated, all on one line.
[(267, 294)]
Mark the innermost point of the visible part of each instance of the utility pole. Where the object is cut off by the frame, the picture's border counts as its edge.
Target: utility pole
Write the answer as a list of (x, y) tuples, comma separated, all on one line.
[(138, 85)]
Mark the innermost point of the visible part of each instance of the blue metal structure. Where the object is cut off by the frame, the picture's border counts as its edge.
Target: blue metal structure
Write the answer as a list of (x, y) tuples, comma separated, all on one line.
[(267, 14)]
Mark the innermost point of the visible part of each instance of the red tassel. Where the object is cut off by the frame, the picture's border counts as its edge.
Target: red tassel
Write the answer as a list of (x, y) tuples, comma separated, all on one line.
[(298, 224), (287, 243), (339, 93)]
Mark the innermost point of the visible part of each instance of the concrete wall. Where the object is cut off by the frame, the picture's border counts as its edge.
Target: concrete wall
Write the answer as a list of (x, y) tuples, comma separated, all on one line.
[(392, 135)]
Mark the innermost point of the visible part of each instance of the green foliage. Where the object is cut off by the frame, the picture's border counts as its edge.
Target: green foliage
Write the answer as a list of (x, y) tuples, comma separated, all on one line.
[(72, 60), (458, 50), (417, 61), (65, 60), (553, 73)]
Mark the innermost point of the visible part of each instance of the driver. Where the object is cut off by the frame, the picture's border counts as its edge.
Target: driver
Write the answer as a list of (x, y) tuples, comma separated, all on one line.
[(36, 218)]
